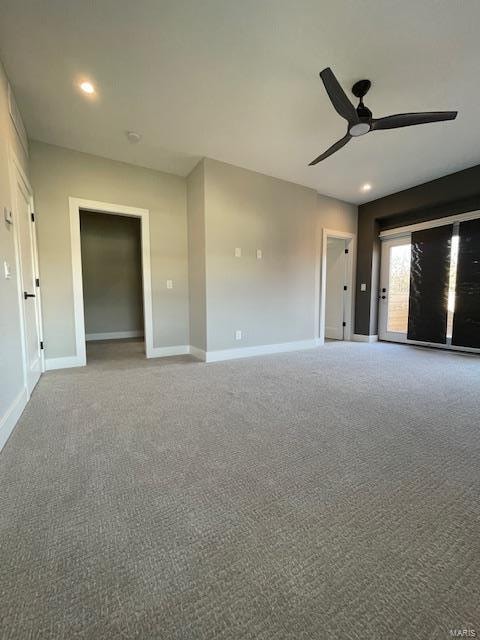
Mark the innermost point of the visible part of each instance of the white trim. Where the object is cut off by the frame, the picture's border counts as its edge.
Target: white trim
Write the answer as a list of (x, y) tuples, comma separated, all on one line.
[(359, 337), (11, 416), (75, 204), (349, 306), (197, 353), (430, 224), (113, 335), (66, 362), (165, 352), (261, 350)]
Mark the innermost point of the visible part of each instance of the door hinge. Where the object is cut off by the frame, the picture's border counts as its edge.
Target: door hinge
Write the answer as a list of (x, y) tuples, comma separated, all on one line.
[(344, 324), (346, 250), (345, 287), (37, 282), (41, 344), (32, 215)]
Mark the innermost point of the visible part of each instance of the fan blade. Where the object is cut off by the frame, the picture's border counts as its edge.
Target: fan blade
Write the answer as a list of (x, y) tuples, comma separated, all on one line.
[(409, 119), (341, 103), (335, 147)]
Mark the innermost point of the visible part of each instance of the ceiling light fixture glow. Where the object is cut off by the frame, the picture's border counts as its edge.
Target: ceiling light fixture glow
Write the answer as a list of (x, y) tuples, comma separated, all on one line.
[(87, 87), (133, 137), (366, 187)]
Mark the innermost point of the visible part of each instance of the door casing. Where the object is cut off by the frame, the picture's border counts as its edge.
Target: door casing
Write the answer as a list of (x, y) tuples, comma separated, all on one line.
[(322, 270)]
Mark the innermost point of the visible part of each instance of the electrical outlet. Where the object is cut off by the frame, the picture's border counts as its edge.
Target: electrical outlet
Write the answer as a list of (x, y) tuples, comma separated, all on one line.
[(238, 334), (363, 287), (169, 284), (259, 254), (238, 252)]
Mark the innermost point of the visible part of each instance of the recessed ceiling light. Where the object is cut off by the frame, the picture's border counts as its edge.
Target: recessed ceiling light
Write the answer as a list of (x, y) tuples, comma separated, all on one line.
[(87, 87), (133, 137), (366, 187)]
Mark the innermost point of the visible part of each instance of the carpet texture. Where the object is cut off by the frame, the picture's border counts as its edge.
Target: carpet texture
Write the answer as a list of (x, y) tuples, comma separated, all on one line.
[(330, 493)]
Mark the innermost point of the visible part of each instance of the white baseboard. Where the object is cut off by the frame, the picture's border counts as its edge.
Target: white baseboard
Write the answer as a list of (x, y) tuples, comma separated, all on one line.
[(113, 335), (11, 416), (66, 362), (261, 350), (197, 353), (165, 352), (200, 354), (359, 337)]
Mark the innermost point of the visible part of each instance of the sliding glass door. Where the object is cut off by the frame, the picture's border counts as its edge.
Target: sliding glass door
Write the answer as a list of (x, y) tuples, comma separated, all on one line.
[(430, 286)]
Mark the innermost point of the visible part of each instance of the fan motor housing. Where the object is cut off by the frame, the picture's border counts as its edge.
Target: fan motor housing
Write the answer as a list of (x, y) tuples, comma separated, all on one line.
[(361, 88)]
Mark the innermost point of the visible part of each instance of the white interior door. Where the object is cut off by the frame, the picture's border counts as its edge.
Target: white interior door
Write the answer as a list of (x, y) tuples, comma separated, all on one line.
[(335, 289), (394, 289), (28, 276)]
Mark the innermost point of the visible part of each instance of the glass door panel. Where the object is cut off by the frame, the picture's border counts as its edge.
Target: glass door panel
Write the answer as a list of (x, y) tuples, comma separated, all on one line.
[(394, 289)]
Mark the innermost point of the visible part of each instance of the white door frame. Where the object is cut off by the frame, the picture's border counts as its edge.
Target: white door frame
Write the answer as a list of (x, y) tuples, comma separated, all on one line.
[(17, 174), (350, 239), (383, 333), (75, 205)]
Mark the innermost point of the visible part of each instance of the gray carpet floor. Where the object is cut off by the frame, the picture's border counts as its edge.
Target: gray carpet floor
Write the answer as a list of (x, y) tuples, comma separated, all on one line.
[(330, 493)]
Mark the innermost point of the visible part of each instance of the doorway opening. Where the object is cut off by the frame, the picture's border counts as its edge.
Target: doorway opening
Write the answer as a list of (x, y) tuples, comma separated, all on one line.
[(105, 282), (111, 252), (336, 290)]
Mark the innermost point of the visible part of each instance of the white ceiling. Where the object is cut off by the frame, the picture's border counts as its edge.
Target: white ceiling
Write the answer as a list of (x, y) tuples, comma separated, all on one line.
[(237, 80)]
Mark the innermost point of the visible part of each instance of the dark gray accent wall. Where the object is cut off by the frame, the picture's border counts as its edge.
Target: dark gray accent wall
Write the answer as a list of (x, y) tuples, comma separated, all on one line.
[(456, 193)]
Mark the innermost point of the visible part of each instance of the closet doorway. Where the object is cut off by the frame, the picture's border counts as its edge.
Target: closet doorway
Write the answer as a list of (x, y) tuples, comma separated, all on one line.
[(111, 250), (336, 285), (111, 274)]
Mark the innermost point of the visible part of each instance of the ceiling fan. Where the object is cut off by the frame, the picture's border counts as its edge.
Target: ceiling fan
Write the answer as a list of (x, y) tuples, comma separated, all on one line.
[(360, 120)]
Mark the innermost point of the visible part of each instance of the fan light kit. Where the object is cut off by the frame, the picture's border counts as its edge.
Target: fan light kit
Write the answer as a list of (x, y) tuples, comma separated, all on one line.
[(360, 120)]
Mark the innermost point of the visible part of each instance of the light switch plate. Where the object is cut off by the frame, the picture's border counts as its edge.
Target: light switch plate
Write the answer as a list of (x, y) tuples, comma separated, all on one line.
[(238, 252), (259, 254), (238, 334), (363, 287), (7, 270), (169, 284)]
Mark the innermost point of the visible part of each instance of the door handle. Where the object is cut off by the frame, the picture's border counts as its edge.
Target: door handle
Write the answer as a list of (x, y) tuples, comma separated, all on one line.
[(28, 295)]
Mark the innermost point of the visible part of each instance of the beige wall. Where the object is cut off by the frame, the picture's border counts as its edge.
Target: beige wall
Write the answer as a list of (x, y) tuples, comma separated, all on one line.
[(274, 299), (112, 273), (11, 363), (196, 256), (58, 173), (336, 215), (269, 300)]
